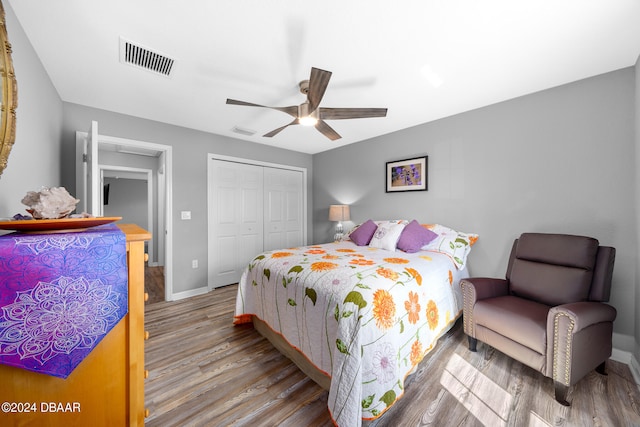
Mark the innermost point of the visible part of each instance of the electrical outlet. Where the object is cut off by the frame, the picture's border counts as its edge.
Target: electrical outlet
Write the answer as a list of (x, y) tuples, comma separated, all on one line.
[(194, 263)]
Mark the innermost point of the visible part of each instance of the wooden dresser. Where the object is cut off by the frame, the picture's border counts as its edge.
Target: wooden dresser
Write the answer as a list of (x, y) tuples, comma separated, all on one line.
[(107, 388)]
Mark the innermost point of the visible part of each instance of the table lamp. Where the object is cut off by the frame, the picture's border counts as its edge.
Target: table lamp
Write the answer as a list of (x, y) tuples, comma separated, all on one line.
[(339, 213)]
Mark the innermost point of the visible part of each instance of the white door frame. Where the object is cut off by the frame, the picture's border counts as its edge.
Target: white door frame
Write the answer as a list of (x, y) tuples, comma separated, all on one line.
[(134, 173), (210, 202), (165, 194)]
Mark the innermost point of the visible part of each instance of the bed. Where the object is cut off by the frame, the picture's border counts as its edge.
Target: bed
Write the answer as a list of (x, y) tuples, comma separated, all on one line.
[(357, 318)]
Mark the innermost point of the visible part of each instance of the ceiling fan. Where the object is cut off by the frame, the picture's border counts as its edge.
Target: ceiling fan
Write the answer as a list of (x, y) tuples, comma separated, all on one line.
[(309, 113)]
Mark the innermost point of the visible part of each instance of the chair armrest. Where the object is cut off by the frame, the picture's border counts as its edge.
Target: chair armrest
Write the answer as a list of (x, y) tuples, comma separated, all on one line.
[(475, 289), (583, 314), (566, 326), (479, 288)]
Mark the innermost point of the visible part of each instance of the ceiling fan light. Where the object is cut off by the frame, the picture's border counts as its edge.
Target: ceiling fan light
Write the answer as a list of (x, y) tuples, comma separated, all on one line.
[(308, 121), (306, 117)]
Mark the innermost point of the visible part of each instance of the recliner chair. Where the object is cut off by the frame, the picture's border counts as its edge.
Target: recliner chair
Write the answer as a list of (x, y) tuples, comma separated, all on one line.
[(549, 311)]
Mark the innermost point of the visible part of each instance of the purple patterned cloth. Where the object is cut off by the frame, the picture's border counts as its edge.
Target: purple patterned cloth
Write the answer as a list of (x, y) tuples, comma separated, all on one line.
[(60, 294)]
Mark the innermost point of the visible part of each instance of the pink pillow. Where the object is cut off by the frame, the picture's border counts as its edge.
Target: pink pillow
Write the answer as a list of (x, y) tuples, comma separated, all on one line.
[(362, 235), (415, 236)]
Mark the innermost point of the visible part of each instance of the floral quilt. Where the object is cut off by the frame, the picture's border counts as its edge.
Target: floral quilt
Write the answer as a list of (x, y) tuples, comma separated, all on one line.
[(364, 316)]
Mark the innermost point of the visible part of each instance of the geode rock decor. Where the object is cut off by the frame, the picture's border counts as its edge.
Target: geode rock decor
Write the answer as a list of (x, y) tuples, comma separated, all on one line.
[(50, 203)]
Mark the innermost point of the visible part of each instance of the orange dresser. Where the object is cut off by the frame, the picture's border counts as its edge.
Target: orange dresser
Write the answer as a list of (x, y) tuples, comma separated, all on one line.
[(107, 388)]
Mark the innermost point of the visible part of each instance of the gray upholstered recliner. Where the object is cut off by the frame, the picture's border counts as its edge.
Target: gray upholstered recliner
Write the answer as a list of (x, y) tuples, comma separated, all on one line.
[(549, 311)]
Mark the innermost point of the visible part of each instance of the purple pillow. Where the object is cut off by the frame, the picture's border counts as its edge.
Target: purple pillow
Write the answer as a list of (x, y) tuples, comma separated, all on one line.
[(414, 236), (362, 235)]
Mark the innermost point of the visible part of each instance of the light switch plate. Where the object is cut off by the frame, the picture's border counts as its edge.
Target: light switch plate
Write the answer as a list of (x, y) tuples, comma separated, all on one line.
[(185, 215)]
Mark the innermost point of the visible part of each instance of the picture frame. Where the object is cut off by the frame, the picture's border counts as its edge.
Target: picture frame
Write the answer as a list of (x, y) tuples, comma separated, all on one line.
[(407, 175)]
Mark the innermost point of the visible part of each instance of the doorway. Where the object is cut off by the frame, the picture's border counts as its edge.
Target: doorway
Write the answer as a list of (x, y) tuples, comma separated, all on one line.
[(119, 155), (129, 192)]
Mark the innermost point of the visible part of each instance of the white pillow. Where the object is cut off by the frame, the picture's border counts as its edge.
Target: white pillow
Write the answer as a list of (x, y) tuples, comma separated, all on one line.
[(392, 221), (451, 242), (386, 236)]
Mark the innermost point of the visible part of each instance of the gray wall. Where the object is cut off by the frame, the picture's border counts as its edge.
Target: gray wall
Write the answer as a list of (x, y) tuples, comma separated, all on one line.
[(561, 160), (34, 161), (112, 158), (190, 148), (128, 199), (637, 196)]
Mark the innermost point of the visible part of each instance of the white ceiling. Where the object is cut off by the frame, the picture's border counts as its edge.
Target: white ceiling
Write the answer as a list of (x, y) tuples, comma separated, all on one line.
[(421, 59)]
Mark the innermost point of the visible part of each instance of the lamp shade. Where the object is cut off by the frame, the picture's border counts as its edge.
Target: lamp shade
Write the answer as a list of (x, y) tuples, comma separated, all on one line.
[(339, 213)]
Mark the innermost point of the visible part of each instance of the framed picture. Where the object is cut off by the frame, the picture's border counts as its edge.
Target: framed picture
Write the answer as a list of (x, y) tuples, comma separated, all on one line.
[(407, 175)]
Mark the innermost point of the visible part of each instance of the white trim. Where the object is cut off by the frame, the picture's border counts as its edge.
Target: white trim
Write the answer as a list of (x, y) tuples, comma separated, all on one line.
[(190, 293), (211, 156), (133, 143), (162, 201), (168, 221), (81, 170), (628, 359), (165, 188), (254, 162), (621, 356), (635, 370), (210, 202), (148, 173)]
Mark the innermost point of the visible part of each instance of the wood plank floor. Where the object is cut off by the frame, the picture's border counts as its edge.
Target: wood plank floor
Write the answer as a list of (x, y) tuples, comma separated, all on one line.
[(154, 283), (206, 372)]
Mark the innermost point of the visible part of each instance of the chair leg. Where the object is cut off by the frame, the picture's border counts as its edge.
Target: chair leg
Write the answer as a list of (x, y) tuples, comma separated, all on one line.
[(602, 368), (561, 393), (472, 343)]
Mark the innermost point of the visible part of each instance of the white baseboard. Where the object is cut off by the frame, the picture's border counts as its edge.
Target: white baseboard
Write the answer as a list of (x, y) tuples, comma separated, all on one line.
[(190, 293), (635, 370), (621, 356), (627, 358)]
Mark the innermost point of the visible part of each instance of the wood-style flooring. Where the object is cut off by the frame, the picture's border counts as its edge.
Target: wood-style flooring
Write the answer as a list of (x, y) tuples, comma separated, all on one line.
[(203, 371), (154, 283)]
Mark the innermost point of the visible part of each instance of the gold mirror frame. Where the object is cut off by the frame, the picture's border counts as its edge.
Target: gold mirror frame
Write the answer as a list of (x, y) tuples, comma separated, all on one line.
[(9, 87)]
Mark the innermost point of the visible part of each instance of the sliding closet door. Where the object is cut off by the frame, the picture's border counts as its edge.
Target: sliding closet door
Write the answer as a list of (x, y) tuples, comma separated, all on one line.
[(237, 219), (283, 210)]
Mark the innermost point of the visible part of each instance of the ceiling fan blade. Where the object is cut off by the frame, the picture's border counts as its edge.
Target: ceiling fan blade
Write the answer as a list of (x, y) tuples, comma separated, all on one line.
[(318, 82), (327, 130), (351, 113), (236, 102), (277, 131), (292, 110)]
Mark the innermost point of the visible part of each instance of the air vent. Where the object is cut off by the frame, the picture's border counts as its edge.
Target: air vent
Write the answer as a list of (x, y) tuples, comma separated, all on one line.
[(142, 57), (242, 131)]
